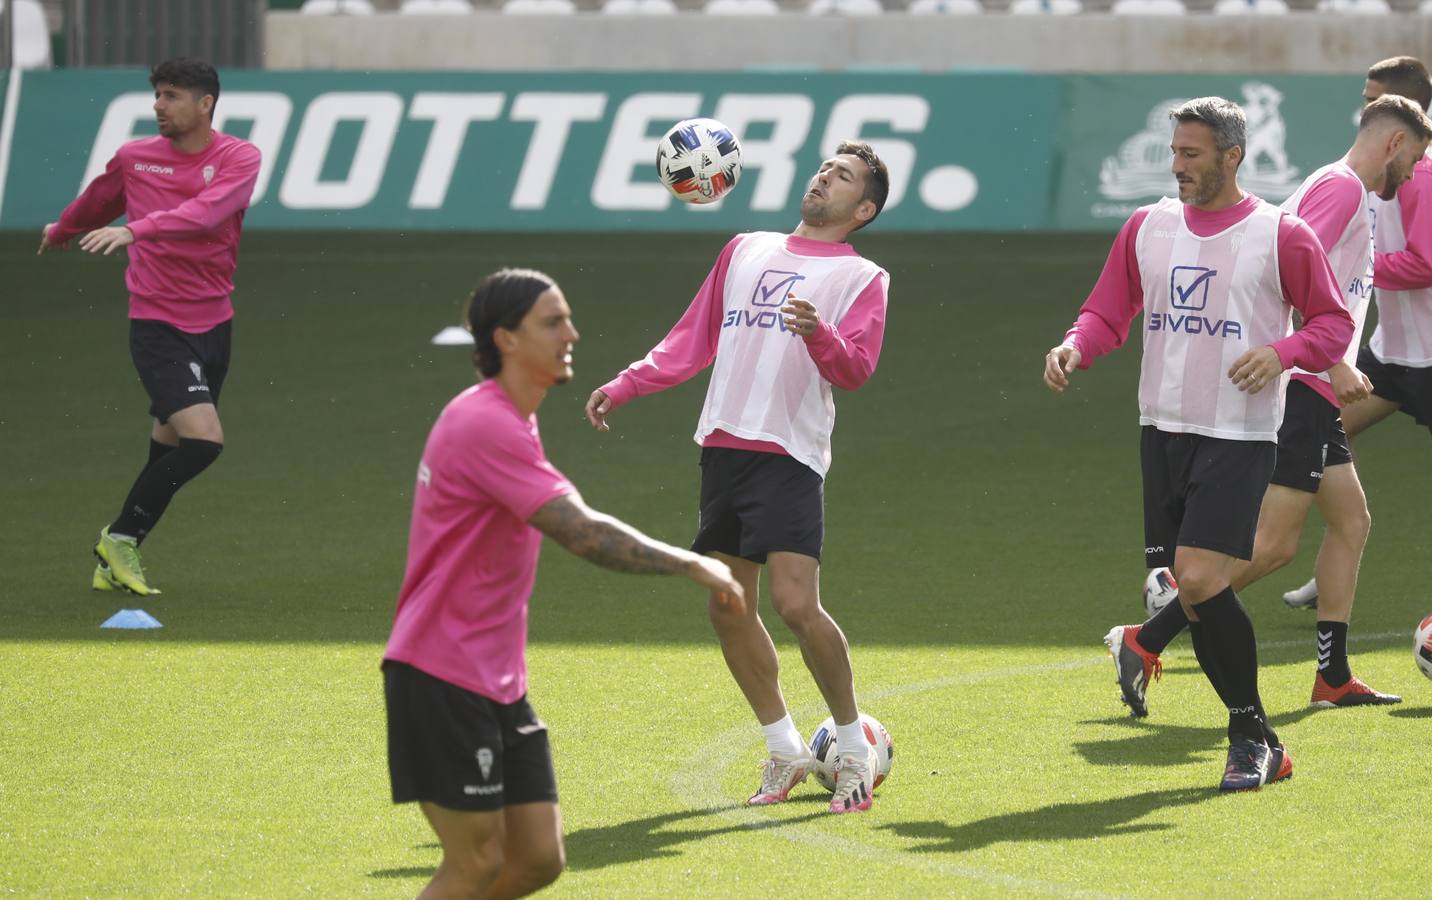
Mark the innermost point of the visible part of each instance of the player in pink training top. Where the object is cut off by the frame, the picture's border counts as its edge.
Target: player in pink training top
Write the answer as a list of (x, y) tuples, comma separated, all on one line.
[(1217, 274), (462, 739), (183, 194), (1314, 460), (1398, 358), (784, 318)]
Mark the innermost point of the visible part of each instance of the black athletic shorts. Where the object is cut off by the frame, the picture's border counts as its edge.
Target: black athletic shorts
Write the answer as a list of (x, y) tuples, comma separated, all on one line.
[(460, 750), (1202, 492), (754, 503), (179, 369), (1406, 385), (1311, 439)]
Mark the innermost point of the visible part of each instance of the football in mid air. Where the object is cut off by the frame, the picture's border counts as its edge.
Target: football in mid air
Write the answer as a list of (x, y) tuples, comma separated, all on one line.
[(699, 160)]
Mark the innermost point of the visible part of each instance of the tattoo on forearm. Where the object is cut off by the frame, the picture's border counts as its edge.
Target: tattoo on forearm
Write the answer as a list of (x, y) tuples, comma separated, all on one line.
[(606, 541)]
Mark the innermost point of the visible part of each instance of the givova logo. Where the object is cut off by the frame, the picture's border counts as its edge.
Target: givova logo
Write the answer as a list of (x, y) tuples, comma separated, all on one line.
[(1188, 293), (768, 297), (1188, 286), (304, 145)]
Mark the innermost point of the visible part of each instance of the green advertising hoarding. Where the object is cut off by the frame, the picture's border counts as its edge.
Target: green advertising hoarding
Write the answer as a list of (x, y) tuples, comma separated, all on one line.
[(574, 152), (1115, 138)]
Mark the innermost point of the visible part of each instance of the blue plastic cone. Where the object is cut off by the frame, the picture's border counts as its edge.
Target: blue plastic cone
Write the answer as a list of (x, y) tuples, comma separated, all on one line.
[(131, 618)]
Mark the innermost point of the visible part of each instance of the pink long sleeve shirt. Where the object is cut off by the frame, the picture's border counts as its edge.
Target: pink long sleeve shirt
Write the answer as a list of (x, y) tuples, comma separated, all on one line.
[(844, 353), (1402, 273), (185, 211), (1307, 280), (1335, 207)]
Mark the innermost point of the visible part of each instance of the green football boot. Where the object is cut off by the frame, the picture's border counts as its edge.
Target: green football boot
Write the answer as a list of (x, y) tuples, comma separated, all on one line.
[(121, 555), (104, 579)]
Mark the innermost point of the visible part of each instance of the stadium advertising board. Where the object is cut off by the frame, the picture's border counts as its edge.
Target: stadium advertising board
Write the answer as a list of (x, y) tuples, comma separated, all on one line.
[(1116, 138), (522, 152)]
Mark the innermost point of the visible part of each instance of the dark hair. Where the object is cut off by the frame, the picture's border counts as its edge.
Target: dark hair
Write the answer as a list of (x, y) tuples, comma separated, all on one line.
[(1398, 109), (1404, 76), (1226, 118), (877, 181), (194, 74), (502, 300)]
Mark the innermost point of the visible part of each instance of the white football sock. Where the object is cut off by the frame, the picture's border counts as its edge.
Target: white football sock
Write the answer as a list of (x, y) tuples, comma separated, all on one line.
[(850, 740), (782, 739)]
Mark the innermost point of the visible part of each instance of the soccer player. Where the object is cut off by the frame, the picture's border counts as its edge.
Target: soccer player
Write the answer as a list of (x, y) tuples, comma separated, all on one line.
[(1314, 460), (183, 194), (462, 739), (785, 318), (1398, 358), (1217, 273)]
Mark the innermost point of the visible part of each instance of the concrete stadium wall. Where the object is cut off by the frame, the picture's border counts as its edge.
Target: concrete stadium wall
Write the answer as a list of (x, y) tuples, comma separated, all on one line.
[(1093, 42)]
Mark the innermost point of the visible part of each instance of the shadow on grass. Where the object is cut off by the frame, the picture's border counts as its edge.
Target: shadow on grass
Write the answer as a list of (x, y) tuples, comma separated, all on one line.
[(1057, 822), (405, 872), (1412, 712), (653, 837), (1157, 744)]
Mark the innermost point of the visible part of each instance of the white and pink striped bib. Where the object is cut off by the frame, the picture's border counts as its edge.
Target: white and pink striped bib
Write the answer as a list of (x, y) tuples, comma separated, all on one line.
[(1351, 259), (1404, 318), (764, 385), (1207, 300)]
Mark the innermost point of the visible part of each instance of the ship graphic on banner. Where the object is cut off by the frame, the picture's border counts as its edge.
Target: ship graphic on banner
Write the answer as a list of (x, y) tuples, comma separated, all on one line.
[(1140, 170)]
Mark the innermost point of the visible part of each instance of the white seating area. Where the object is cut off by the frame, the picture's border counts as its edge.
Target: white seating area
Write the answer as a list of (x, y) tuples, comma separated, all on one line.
[(31, 41), (864, 7)]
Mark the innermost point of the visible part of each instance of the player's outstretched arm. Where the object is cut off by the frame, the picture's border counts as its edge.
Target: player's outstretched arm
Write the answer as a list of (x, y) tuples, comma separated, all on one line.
[(613, 544), (47, 244), (1058, 363), (598, 405)]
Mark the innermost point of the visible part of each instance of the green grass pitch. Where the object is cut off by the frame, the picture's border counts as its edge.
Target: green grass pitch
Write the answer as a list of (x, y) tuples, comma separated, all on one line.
[(982, 536)]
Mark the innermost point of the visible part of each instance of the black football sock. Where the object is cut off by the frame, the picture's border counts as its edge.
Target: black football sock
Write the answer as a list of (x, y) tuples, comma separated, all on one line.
[(157, 451), (1231, 642), (160, 482), (1160, 631), (1332, 653), (1206, 660)]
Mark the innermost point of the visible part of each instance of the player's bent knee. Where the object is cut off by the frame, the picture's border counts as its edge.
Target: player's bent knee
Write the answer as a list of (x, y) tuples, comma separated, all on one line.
[(476, 870), (1353, 528), (1196, 586), (800, 615), (1277, 556), (538, 873)]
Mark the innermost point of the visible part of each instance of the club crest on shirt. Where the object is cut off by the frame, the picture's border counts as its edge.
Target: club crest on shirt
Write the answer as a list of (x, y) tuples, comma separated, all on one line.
[(208, 175)]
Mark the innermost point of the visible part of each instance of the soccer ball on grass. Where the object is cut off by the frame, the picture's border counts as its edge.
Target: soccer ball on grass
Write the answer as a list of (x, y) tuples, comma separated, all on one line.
[(1422, 646), (698, 160), (822, 744)]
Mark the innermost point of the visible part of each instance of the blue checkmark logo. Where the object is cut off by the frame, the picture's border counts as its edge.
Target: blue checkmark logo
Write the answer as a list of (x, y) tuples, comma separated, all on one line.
[(772, 287), (1188, 286)]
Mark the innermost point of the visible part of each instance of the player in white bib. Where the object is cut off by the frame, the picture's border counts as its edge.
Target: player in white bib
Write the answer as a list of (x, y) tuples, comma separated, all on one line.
[(785, 318), (1217, 274), (1398, 358), (1314, 460)]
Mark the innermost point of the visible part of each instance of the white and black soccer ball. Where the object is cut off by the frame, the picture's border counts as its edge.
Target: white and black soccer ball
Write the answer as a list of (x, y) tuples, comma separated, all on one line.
[(699, 160), (822, 744), (1160, 590), (1422, 646)]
